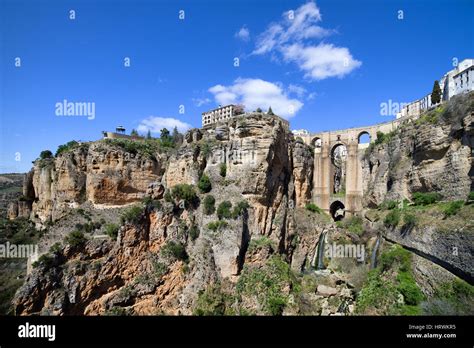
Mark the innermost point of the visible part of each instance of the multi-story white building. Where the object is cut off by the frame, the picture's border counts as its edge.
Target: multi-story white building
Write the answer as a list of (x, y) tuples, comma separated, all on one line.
[(456, 81), (220, 114)]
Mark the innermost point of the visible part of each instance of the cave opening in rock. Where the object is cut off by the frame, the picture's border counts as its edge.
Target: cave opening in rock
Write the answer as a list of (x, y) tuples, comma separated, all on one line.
[(337, 210)]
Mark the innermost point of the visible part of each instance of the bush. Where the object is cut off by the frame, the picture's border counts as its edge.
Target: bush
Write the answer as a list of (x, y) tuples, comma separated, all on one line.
[(392, 219), (216, 225), (112, 230), (131, 215), (425, 198), (470, 197), (75, 238), (209, 205), (174, 250), (210, 301), (409, 289), (452, 208), (168, 197), (44, 260), (223, 210), (313, 208), (354, 224), (66, 147), (409, 220), (194, 232), (204, 184), (239, 209), (186, 193), (389, 205), (46, 154), (223, 170), (151, 203)]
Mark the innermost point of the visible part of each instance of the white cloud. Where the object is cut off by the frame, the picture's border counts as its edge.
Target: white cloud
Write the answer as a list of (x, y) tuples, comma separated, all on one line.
[(257, 93), (321, 61), (155, 124), (293, 38), (298, 90), (243, 34), (201, 101)]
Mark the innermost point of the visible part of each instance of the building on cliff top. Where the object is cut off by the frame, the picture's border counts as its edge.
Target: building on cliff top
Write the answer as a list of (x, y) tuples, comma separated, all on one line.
[(222, 113), (456, 81), (120, 134)]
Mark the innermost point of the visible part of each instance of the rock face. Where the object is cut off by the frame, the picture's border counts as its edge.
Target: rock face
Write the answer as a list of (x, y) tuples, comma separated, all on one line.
[(96, 172), (166, 257), (264, 167), (431, 154)]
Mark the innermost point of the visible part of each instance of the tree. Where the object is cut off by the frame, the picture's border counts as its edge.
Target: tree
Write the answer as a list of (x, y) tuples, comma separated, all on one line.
[(134, 133), (148, 135), (164, 133), (46, 154), (204, 184), (270, 111), (436, 94), (258, 110)]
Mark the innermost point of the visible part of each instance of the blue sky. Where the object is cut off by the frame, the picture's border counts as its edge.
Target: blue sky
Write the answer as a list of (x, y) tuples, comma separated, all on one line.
[(327, 65)]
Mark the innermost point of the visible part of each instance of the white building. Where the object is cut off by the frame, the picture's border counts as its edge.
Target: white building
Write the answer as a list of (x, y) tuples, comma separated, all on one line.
[(220, 114), (456, 81)]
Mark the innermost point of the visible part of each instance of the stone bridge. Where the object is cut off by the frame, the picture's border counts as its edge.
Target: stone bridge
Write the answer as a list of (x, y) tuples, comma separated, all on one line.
[(350, 200)]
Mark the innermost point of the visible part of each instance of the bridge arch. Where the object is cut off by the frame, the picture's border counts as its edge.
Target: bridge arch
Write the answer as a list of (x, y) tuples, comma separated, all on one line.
[(337, 210), (364, 137), (317, 142)]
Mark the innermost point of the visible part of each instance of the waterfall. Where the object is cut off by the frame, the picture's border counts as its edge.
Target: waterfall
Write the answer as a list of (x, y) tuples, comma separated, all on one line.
[(320, 251), (373, 260)]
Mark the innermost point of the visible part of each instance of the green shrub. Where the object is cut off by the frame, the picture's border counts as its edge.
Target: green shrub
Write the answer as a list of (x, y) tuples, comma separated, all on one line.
[(354, 224), (216, 225), (389, 205), (131, 215), (451, 298), (194, 232), (409, 220), (392, 219), (174, 250), (223, 210), (204, 184), (185, 193), (66, 147), (470, 197), (151, 203), (425, 198), (168, 198), (409, 289), (112, 230), (211, 301), (452, 208), (239, 209), (46, 154), (396, 255), (45, 260), (75, 238), (223, 170), (209, 205), (313, 208)]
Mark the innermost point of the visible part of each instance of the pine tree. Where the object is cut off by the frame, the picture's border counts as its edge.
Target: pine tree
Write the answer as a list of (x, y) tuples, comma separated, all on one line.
[(134, 132), (148, 135), (436, 94), (270, 111)]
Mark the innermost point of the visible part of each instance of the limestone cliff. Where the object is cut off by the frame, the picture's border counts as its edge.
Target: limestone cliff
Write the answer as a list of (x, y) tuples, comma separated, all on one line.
[(246, 244)]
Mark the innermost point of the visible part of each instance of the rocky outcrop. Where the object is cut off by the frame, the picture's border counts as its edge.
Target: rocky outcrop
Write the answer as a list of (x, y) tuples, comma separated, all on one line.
[(98, 172), (430, 154)]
